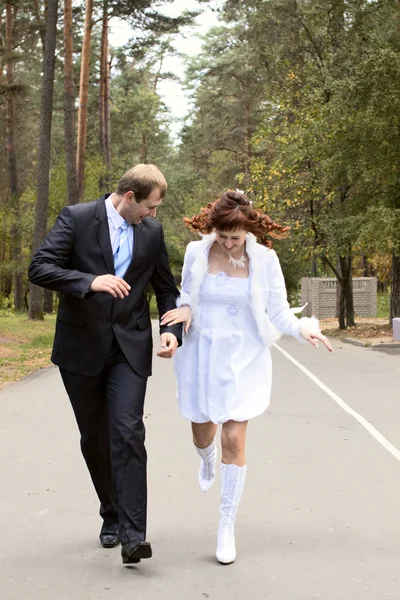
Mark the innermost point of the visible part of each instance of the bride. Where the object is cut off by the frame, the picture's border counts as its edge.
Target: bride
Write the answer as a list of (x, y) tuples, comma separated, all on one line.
[(234, 306)]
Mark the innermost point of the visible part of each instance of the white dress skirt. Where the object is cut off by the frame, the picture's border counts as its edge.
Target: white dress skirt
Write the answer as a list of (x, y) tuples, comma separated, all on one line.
[(223, 369)]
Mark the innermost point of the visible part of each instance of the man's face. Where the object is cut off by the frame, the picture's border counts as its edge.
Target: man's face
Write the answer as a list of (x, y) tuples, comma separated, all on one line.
[(134, 212)]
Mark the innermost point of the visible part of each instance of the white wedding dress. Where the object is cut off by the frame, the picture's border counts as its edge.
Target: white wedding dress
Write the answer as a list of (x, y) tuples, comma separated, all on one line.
[(223, 369)]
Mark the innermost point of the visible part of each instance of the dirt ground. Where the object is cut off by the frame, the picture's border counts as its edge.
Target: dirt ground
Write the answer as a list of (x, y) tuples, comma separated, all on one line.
[(25, 346), (371, 330)]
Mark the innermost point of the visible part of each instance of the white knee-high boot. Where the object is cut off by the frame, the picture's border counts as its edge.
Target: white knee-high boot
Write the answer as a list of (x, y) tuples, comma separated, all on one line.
[(207, 466), (232, 484)]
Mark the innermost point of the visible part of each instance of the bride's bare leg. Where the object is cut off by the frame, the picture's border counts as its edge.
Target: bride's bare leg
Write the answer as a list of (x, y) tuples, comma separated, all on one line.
[(203, 434)]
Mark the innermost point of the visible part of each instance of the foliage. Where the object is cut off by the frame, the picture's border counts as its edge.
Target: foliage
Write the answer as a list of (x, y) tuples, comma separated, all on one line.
[(383, 307), (296, 102)]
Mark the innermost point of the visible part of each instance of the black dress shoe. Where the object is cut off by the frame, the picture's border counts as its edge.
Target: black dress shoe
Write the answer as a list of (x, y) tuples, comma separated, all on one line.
[(109, 536), (133, 552)]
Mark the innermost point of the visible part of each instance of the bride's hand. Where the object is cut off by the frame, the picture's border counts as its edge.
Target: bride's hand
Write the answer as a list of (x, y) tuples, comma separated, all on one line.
[(313, 336), (183, 314)]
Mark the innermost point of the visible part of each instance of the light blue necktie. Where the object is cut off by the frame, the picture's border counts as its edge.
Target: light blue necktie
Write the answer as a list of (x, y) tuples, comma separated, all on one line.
[(122, 256)]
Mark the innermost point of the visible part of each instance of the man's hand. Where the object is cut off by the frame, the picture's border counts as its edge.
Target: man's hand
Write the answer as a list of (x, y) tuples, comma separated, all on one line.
[(116, 286), (178, 315), (169, 344)]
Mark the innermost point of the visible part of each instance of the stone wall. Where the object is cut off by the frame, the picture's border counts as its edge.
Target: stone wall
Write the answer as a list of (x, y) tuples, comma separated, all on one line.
[(321, 295)]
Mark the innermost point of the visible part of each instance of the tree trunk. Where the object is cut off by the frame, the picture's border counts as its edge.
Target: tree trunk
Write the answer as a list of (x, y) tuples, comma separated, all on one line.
[(248, 138), (341, 305), (83, 100), (7, 286), (350, 319), (314, 267), (107, 119), (346, 303), (345, 268), (42, 200), (69, 106), (102, 98), (1, 56), (7, 283), (15, 232), (395, 288), (144, 147), (365, 266), (104, 102), (48, 301), (344, 276), (158, 74), (314, 259)]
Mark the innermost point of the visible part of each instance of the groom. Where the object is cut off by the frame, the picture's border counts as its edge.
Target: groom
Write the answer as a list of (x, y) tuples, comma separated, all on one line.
[(101, 257)]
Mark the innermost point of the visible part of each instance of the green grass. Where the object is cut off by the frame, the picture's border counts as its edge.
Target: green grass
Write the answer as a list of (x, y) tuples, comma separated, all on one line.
[(153, 308), (25, 346), (383, 308), (42, 341)]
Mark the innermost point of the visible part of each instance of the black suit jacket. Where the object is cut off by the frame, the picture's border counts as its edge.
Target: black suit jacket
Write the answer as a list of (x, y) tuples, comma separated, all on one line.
[(78, 249)]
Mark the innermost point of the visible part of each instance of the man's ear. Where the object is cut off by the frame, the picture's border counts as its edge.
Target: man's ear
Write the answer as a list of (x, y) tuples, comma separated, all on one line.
[(130, 196)]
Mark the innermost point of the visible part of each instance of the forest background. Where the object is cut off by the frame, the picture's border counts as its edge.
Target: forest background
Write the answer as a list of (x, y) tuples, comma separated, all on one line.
[(294, 101)]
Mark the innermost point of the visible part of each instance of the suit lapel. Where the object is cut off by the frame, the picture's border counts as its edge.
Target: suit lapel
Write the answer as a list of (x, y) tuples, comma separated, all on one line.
[(103, 234)]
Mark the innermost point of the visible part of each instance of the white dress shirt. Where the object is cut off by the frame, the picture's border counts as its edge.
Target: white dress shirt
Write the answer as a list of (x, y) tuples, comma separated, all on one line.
[(114, 222)]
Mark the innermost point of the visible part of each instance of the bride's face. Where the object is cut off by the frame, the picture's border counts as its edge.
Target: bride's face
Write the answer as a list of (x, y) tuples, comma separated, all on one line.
[(231, 240)]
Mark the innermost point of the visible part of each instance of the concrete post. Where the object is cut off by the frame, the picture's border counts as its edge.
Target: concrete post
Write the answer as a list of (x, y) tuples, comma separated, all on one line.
[(396, 329)]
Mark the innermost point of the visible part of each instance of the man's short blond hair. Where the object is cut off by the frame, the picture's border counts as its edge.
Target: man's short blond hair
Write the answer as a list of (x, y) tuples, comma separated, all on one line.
[(142, 179)]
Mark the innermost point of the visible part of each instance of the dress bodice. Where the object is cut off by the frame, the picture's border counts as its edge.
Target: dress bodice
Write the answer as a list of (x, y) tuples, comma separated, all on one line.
[(225, 302)]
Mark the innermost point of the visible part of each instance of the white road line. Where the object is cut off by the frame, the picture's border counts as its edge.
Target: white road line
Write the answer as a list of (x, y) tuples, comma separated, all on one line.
[(366, 424)]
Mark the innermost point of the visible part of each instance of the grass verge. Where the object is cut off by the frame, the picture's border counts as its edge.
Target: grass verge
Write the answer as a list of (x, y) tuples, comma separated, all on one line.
[(25, 346)]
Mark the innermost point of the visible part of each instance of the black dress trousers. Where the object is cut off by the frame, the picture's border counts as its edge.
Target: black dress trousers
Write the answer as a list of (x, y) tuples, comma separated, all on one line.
[(109, 412)]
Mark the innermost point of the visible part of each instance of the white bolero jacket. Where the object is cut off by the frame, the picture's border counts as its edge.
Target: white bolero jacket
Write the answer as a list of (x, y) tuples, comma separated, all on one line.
[(268, 296)]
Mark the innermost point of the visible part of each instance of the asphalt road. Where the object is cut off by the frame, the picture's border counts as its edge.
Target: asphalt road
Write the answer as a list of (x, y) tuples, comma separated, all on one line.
[(319, 519)]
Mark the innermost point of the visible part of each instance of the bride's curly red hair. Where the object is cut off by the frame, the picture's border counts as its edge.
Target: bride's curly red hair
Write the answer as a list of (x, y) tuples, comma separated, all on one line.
[(233, 212)]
